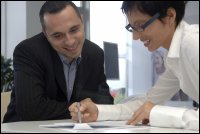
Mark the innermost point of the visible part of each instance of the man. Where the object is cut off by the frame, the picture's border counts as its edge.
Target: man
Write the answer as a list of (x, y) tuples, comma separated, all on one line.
[(158, 24), (56, 67)]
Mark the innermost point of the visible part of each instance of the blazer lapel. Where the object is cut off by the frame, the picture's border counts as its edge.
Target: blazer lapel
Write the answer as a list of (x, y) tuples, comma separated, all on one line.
[(82, 73), (59, 72)]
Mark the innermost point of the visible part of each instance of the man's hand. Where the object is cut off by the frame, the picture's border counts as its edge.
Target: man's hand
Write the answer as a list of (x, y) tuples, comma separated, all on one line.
[(142, 114), (88, 109)]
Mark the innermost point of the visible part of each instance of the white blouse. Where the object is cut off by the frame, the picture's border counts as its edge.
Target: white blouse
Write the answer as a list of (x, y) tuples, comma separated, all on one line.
[(182, 72)]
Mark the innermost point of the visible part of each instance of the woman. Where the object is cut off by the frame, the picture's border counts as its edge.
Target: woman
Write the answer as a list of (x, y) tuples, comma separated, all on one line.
[(158, 24)]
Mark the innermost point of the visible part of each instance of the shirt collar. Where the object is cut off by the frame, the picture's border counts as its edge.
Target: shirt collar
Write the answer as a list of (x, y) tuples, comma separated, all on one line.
[(174, 50), (64, 59)]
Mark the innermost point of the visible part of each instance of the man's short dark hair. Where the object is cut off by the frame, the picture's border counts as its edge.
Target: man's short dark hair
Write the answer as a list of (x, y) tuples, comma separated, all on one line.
[(153, 7), (53, 7)]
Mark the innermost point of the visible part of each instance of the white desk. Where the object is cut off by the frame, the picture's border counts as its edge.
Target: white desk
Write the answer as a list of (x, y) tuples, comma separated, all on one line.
[(33, 127)]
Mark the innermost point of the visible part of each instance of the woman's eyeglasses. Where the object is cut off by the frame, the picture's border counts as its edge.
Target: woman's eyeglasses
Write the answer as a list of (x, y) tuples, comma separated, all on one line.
[(140, 28)]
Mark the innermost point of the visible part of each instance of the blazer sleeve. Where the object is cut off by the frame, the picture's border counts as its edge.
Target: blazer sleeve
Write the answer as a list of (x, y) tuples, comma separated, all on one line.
[(103, 95)]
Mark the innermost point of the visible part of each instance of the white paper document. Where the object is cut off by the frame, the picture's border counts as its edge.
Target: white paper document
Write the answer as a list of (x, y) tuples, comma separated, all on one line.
[(89, 126)]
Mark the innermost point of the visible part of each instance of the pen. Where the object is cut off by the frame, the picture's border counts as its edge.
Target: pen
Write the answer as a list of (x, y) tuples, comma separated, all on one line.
[(79, 112)]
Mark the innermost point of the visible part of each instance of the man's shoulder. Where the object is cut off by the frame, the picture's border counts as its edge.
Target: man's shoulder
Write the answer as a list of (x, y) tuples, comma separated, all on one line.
[(37, 42), (91, 45), (35, 46), (92, 50)]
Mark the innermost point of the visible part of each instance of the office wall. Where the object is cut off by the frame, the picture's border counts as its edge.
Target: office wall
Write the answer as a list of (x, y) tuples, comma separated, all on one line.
[(32, 18), (13, 25), (19, 20)]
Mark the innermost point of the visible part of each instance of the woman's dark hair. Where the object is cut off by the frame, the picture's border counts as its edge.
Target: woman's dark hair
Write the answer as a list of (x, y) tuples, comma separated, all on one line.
[(53, 7), (153, 7)]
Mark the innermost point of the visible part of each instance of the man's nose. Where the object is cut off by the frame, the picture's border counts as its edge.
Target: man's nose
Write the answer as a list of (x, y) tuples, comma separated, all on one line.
[(69, 40)]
